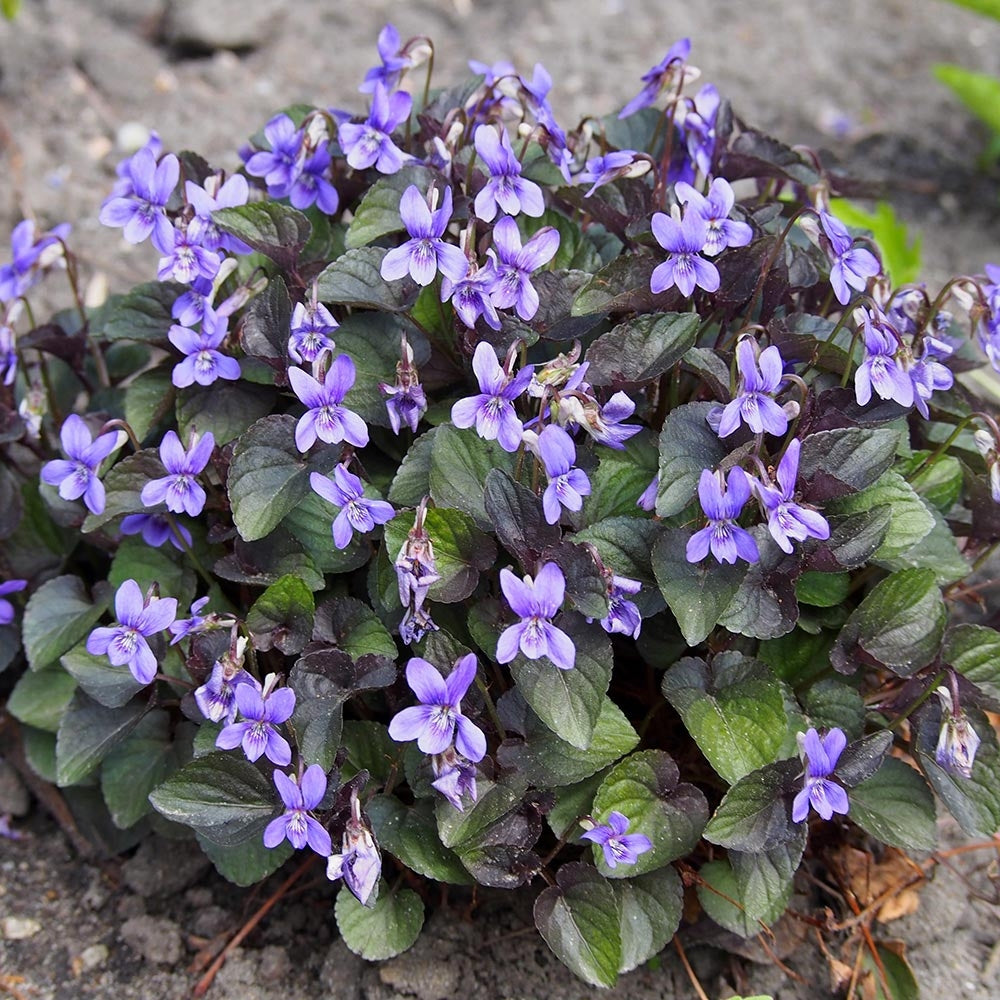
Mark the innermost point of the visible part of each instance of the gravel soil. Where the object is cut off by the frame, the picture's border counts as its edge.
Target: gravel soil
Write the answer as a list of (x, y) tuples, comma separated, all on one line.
[(81, 83)]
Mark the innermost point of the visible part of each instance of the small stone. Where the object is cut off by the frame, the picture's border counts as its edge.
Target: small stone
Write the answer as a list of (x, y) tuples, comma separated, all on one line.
[(274, 964), (210, 921), (131, 137), (342, 972), (223, 24), (163, 867), (198, 897), (14, 799), (93, 957), (425, 978), (19, 928), (157, 939)]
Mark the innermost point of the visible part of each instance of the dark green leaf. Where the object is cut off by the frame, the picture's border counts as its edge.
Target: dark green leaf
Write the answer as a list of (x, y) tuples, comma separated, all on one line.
[(88, 732), (836, 462), (861, 759), (822, 590), (370, 749), (247, 862), (620, 479), (569, 701), (938, 550), (309, 523), (896, 806), (412, 481), (854, 539), (496, 801), (319, 709), (58, 615), (764, 880), (646, 788), (621, 286), (687, 446), (123, 487), (575, 249), (149, 397), (830, 703), (353, 627), (625, 545), (141, 314), (798, 657), (734, 710), (721, 899), (641, 349), (940, 484), (39, 698), (697, 593), (974, 651), (355, 279), (517, 518), (275, 230), (282, 616), (764, 606), (650, 915), (226, 409), (386, 927), (267, 324), (135, 560), (109, 685)]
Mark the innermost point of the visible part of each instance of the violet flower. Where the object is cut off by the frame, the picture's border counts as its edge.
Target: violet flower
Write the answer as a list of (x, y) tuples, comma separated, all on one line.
[(203, 362), (8, 354), (454, 777), (787, 520), (929, 375), (515, 263), (685, 267), (6, 608), (27, 257), (138, 618), (506, 188), (714, 209), (820, 755), (155, 530), (623, 615), (405, 401), (958, 741), (880, 370), (325, 418), (470, 295), (206, 200), (698, 131), (647, 499), (726, 539), (216, 698), (602, 423), (262, 712), (850, 266), (179, 489), (359, 862), (357, 512), (759, 379), (395, 62), (142, 213), (536, 601), (416, 572), (601, 170), (187, 260), (492, 411), (620, 847), (425, 253), (295, 824), (311, 323), (76, 475), (659, 77), (369, 143), (437, 722), (184, 627), (189, 307), (279, 165), (567, 486), (311, 185)]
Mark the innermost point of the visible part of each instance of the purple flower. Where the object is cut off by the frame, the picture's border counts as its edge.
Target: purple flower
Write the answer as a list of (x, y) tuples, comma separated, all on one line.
[(295, 824), (929, 375), (820, 756), (216, 698), (506, 188), (155, 530), (309, 328), (261, 712), (492, 411), (722, 231), (515, 264), (536, 601), (851, 266), (369, 143), (727, 540), (311, 184), (6, 608), (623, 616), (604, 169), (184, 627), (206, 200), (437, 722), (659, 77), (189, 307), (470, 296), (186, 260), (123, 186), (8, 355), (567, 486), (137, 619), (325, 418), (620, 847), (958, 741), (647, 499), (787, 520), (602, 423), (143, 212), (536, 93), (394, 62), (203, 362), (405, 401), (880, 369), (23, 270), (357, 512), (416, 572), (988, 327), (425, 253), (76, 475), (685, 267), (278, 166), (753, 405), (698, 131), (359, 863), (454, 777), (179, 490)]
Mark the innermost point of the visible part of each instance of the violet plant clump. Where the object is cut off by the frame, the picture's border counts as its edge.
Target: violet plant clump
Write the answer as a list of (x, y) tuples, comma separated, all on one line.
[(514, 476)]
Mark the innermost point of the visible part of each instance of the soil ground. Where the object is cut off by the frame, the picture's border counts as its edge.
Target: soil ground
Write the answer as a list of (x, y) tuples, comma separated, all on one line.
[(81, 82)]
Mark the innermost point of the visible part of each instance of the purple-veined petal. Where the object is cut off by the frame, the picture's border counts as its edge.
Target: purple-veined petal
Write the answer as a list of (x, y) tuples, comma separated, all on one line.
[(396, 263), (470, 740), (461, 677), (275, 747), (426, 682), (509, 641), (410, 723), (274, 832), (560, 648), (550, 589), (520, 595), (291, 794)]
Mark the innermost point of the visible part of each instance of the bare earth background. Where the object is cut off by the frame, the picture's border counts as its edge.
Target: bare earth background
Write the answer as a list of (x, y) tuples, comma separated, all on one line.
[(81, 81)]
